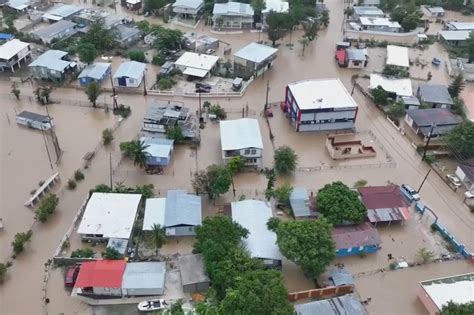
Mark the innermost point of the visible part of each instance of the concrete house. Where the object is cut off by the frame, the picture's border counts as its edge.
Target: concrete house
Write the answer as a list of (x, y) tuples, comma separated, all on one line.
[(127, 35), (96, 72), (380, 25), (395, 87), (433, 12), (179, 213), (129, 74), (355, 240), (434, 95), (100, 278), (397, 56), (52, 65), (59, 30), (261, 242), (144, 279), (196, 65), (356, 58), (188, 9), (162, 115), (13, 53), (159, 151), (200, 42), (193, 273), (465, 172), (454, 38), (234, 15), (367, 11), (253, 60), (60, 12), (241, 137), (320, 105), (300, 204), (421, 120), (108, 216)]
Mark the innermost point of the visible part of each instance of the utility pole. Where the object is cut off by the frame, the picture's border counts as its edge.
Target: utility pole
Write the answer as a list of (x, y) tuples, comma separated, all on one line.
[(144, 83), (200, 110), (424, 179), (114, 95), (266, 97), (110, 171), (433, 125), (46, 146), (54, 138)]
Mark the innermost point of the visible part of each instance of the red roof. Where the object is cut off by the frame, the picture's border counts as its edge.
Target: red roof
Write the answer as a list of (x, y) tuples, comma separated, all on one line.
[(355, 236), (341, 56), (101, 273), (382, 197)]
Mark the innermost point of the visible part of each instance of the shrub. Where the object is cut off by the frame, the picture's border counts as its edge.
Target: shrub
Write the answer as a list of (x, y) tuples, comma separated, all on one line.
[(136, 55), (175, 133), (393, 266), (78, 175), (111, 253), (123, 111), (430, 159), (3, 272), (360, 183), (46, 208), (433, 227), (20, 240), (83, 253), (107, 136), (165, 84), (285, 160), (218, 111), (471, 207), (158, 59), (71, 184)]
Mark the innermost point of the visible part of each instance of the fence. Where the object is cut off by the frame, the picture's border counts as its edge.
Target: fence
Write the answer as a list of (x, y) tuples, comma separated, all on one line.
[(324, 293)]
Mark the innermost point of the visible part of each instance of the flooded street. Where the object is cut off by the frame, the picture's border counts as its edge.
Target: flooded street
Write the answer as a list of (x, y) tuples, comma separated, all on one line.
[(24, 163)]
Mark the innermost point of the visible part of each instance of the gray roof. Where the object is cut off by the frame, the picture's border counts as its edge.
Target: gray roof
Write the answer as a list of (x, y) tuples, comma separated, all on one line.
[(193, 4), (428, 116), (356, 54), (436, 9), (410, 100), (144, 275), (182, 209), (64, 10), (367, 11), (435, 93), (95, 71), (232, 9), (33, 116), (299, 201), (125, 32), (192, 269), (340, 276), (131, 69), (54, 29), (347, 304), (51, 59), (256, 52)]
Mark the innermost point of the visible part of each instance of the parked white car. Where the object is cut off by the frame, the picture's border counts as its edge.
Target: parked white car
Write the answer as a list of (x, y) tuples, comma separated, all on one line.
[(469, 194), (454, 180), (414, 194)]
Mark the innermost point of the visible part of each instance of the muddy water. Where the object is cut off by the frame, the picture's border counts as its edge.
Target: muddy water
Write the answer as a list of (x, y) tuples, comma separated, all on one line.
[(24, 163)]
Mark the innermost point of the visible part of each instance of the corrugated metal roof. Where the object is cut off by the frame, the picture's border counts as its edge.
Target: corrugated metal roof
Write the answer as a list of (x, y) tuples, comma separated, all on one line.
[(101, 274), (182, 209), (51, 59), (95, 71), (455, 35), (233, 8), (240, 134), (299, 201), (435, 93), (65, 10), (192, 269), (377, 197), (340, 276), (356, 54), (144, 275), (439, 116), (387, 214), (131, 69), (192, 4), (158, 147), (355, 236), (11, 48), (154, 213), (33, 116), (255, 52), (54, 29), (348, 304)]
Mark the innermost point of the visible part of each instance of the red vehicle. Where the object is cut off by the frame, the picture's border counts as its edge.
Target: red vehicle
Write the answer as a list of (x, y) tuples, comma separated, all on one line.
[(71, 275)]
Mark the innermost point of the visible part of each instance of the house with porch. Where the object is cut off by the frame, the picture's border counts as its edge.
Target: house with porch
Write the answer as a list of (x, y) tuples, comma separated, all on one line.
[(253, 60), (232, 15), (13, 53), (129, 74), (356, 240), (52, 65), (196, 65), (179, 213), (60, 30), (380, 25), (96, 72), (241, 137), (188, 9), (260, 242), (434, 95), (454, 38)]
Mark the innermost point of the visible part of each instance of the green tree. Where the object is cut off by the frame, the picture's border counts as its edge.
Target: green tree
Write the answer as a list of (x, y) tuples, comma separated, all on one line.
[(339, 204), (258, 6), (78, 175), (458, 107), (20, 240), (310, 28), (93, 91), (379, 95), (46, 208), (307, 243), (258, 292), (285, 160), (157, 236), (87, 52), (324, 19), (168, 38), (282, 194), (456, 86), (175, 133), (452, 308), (15, 91), (144, 27), (304, 43), (107, 136), (3, 272), (460, 140), (396, 110), (424, 256), (111, 254), (278, 25), (217, 110), (136, 55), (213, 181), (83, 253), (470, 47), (136, 150), (153, 5), (100, 36)]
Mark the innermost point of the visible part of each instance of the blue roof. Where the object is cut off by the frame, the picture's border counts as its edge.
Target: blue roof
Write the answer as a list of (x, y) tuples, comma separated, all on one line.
[(6, 36), (130, 69), (95, 71)]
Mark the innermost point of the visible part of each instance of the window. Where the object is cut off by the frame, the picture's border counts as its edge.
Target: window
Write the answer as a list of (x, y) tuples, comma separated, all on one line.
[(191, 229), (247, 151), (253, 151), (356, 62)]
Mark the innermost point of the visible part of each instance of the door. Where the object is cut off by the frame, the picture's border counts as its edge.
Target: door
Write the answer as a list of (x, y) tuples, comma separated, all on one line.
[(122, 81)]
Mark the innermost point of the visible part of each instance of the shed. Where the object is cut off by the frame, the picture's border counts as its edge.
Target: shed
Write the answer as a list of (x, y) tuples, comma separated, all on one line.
[(397, 56), (340, 276), (129, 74), (435, 95), (144, 278), (193, 273), (101, 277), (354, 240), (95, 72), (356, 58), (34, 120), (299, 201), (346, 304), (159, 151)]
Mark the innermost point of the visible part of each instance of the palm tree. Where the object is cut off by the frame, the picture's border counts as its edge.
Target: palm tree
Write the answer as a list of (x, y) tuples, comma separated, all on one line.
[(158, 236), (425, 256), (136, 150)]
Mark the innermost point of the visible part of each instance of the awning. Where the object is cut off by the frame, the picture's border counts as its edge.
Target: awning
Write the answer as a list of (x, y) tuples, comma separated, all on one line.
[(195, 72), (52, 17)]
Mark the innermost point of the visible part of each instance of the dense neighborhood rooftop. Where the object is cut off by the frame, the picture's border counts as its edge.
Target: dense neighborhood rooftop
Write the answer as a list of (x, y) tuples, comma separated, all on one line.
[(255, 52), (51, 59), (11, 48), (240, 134)]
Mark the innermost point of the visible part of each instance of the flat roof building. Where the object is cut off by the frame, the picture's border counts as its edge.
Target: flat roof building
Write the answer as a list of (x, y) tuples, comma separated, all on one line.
[(396, 87), (300, 204), (397, 56), (193, 273), (196, 65), (380, 24), (144, 279)]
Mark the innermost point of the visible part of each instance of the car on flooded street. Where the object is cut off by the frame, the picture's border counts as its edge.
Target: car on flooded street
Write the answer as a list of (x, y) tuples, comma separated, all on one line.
[(412, 192), (454, 180), (71, 275), (469, 194)]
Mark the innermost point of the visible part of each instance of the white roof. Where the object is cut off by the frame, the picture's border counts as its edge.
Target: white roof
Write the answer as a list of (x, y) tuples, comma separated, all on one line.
[(110, 214), (158, 147), (253, 215), (240, 134), (95, 71), (131, 69), (195, 72), (233, 8), (154, 213), (197, 61), (11, 48), (279, 6), (19, 4), (455, 35), (51, 59), (321, 93), (134, 1), (459, 289), (397, 56), (62, 11), (402, 87), (435, 9), (367, 11), (191, 4), (461, 26), (255, 52), (369, 21)]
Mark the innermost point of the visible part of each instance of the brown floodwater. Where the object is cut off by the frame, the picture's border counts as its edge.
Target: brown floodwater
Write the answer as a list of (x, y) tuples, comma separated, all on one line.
[(24, 162)]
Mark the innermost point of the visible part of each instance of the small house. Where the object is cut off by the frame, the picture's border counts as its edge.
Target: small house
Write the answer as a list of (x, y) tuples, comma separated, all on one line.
[(35, 121), (188, 9), (241, 137), (196, 65), (434, 95), (162, 115), (421, 121), (144, 279), (200, 42), (356, 240), (397, 56), (129, 74), (300, 204), (100, 278), (232, 15), (454, 38), (367, 11), (459, 26), (127, 35), (96, 72), (60, 12), (465, 173), (179, 213), (395, 87), (52, 65), (343, 304), (260, 242), (158, 151), (193, 273), (410, 102), (356, 58), (253, 60), (13, 53), (380, 25), (132, 5), (433, 12), (60, 30)]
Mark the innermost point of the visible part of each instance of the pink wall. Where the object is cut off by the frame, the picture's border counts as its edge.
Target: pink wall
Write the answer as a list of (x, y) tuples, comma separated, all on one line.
[(427, 301)]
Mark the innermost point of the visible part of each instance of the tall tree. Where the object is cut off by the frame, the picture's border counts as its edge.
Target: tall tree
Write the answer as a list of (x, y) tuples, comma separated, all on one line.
[(136, 150), (339, 204), (87, 52), (214, 181), (3, 272), (15, 91), (460, 140), (379, 95), (307, 243), (278, 25), (158, 236), (456, 86), (168, 39), (285, 160), (93, 91), (258, 6), (100, 36), (311, 28)]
